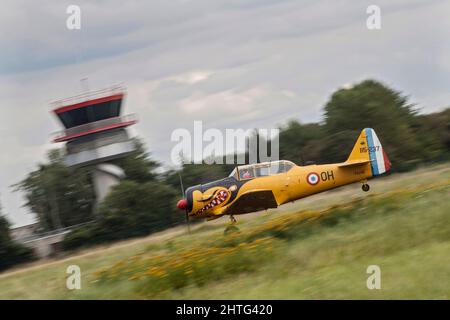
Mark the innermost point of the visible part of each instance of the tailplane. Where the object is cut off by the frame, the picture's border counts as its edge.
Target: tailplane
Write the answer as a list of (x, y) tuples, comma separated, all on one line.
[(369, 149)]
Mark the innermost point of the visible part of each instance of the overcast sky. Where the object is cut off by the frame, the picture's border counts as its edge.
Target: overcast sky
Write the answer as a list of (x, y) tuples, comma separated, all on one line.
[(232, 64)]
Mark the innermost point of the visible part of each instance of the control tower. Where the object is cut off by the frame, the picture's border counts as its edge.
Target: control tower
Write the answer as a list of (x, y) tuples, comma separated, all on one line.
[(95, 133)]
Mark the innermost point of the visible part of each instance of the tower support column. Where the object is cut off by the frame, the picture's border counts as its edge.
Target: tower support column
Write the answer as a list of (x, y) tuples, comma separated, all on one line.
[(106, 176)]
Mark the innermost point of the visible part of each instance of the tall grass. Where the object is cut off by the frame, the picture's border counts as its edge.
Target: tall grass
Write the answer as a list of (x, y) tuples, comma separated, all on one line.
[(200, 263), (315, 253)]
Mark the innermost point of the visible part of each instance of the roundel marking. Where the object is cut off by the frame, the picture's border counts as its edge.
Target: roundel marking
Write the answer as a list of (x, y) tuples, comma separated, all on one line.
[(312, 178)]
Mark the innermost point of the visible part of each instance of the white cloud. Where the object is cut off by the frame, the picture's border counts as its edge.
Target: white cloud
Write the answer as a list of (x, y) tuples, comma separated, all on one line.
[(224, 102), (192, 77)]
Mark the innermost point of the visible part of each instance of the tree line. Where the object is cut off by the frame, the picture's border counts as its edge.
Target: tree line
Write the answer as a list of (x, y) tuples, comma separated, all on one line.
[(144, 202), (11, 252)]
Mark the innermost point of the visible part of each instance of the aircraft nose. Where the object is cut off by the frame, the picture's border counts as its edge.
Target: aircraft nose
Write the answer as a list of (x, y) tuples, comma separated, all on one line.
[(182, 204)]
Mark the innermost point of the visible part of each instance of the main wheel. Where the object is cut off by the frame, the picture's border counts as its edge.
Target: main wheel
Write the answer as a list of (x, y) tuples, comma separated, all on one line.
[(365, 187)]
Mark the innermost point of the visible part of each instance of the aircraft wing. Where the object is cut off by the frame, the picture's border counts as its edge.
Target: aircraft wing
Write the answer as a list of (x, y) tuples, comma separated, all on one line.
[(353, 163), (252, 201)]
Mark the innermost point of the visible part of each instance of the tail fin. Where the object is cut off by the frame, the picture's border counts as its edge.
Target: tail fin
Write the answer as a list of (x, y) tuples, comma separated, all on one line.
[(369, 148)]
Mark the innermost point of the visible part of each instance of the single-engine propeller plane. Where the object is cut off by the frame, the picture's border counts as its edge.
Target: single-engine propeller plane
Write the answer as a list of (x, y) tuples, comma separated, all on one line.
[(261, 186)]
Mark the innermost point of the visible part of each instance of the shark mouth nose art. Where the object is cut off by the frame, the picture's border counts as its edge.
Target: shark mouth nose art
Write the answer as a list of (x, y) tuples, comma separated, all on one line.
[(217, 199)]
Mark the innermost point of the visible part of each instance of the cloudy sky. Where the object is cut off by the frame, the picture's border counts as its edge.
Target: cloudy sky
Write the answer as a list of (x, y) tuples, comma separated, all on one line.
[(230, 63)]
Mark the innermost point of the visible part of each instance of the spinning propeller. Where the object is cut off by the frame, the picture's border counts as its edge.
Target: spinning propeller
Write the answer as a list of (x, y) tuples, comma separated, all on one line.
[(183, 204)]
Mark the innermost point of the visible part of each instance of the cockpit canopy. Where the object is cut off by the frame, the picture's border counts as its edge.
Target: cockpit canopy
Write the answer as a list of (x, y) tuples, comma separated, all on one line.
[(251, 171)]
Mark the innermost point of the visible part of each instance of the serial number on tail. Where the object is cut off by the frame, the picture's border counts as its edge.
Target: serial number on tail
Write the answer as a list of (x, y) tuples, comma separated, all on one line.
[(370, 149)]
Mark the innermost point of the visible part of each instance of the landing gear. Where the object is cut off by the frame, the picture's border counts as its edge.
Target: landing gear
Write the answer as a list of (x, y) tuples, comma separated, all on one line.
[(365, 187), (233, 220)]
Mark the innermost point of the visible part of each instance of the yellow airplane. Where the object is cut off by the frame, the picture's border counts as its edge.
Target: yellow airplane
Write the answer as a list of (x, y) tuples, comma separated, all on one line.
[(261, 186)]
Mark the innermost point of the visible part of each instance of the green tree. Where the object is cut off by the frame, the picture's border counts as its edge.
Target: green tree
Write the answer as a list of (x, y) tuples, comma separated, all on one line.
[(60, 196), (433, 134), (131, 209), (300, 142), (138, 165), (371, 104), (11, 253)]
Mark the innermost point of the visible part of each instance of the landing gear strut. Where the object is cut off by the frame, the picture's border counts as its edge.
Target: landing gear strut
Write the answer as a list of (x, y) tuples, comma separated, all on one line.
[(233, 219), (365, 187)]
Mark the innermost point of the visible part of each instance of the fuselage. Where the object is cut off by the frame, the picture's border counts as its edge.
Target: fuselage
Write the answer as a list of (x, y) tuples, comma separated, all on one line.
[(267, 185), (214, 198)]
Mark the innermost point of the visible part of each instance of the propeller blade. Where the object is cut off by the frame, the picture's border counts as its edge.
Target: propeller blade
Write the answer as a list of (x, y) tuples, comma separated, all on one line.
[(181, 184), (187, 221), (187, 212)]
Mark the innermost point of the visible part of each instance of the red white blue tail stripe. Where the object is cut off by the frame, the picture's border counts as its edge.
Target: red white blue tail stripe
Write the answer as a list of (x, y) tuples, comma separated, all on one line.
[(378, 158)]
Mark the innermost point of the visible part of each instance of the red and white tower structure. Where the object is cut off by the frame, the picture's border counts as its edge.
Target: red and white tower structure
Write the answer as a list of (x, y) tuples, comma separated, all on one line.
[(95, 133)]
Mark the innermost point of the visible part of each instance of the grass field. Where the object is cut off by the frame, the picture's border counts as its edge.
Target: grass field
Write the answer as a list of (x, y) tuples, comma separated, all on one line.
[(319, 247)]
